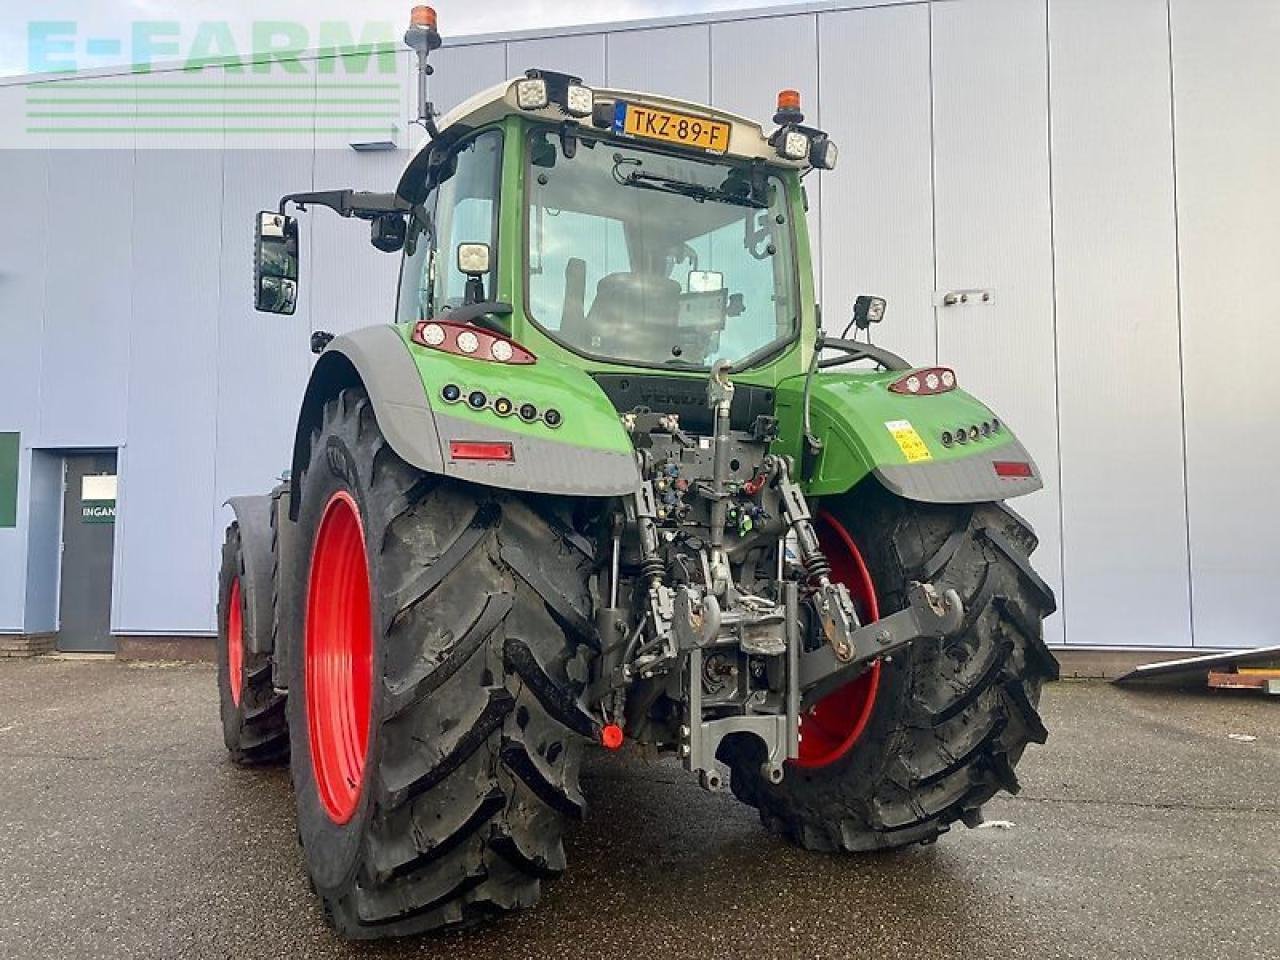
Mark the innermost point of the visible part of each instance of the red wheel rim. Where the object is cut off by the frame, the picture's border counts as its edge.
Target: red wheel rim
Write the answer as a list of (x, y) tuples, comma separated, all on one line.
[(235, 642), (339, 658), (835, 723)]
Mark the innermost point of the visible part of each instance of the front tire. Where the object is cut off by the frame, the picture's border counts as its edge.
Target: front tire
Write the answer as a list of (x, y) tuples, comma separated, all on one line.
[(253, 713), (937, 730), (437, 791)]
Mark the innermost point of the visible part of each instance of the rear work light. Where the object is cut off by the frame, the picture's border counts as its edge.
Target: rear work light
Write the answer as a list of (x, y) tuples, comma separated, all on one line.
[(1013, 469), (478, 450), (925, 383), (466, 341)]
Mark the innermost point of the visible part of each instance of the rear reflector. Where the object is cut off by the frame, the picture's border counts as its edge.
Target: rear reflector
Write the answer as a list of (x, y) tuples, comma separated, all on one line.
[(611, 736), (1013, 469), (474, 450)]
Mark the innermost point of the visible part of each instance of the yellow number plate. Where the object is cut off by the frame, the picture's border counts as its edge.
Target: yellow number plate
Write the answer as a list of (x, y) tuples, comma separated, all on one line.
[(909, 442), (650, 123)]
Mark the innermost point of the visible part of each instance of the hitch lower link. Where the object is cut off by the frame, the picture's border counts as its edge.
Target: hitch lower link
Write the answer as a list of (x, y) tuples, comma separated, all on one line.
[(928, 615), (851, 647)]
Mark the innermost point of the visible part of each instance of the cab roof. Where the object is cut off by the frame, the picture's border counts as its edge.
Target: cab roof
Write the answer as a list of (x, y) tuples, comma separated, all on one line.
[(747, 139)]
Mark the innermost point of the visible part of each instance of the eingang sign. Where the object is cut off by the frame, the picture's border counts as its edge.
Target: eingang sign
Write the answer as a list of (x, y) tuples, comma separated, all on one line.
[(98, 499)]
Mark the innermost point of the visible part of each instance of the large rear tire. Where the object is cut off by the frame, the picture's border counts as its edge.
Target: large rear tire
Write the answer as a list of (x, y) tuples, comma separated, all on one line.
[(937, 730), (434, 689), (254, 725)]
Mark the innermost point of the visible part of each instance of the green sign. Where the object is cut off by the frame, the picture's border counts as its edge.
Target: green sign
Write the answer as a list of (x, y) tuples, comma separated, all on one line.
[(9, 450), (98, 511)]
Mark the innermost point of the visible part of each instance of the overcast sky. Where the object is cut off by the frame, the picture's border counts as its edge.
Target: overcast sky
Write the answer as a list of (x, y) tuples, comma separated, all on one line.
[(113, 19)]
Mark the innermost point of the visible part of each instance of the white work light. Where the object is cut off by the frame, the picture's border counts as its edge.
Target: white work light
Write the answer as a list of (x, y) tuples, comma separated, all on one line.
[(825, 155), (794, 146), (579, 101), (532, 94), (473, 259)]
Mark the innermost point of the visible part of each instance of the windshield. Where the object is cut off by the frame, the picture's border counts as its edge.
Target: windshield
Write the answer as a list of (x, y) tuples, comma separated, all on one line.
[(645, 257)]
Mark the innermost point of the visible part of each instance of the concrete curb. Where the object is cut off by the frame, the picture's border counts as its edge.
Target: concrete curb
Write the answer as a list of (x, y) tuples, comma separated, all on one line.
[(173, 649), (1109, 664)]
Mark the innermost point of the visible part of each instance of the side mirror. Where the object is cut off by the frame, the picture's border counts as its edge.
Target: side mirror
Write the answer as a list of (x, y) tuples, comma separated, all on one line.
[(868, 310), (475, 260), (388, 232), (275, 263)]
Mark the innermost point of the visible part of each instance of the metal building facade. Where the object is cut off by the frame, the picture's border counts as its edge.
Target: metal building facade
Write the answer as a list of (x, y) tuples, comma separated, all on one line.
[(1106, 170)]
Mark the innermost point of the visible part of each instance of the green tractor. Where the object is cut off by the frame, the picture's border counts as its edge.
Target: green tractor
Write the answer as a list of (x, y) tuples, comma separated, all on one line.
[(604, 479)]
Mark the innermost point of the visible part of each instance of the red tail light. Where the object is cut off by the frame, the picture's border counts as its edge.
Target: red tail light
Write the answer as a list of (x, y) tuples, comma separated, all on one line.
[(477, 450), (1013, 469), (464, 340), (926, 383)]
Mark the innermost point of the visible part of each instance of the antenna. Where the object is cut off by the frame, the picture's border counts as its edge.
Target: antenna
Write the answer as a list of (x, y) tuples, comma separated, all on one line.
[(423, 37)]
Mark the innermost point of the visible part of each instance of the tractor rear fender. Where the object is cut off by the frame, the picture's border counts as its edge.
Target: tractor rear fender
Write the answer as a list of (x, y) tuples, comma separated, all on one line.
[(257, 548), (581, 451), (866, 429)]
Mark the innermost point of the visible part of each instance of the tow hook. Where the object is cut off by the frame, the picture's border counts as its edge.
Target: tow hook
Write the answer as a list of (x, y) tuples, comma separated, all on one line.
[(929, 615)]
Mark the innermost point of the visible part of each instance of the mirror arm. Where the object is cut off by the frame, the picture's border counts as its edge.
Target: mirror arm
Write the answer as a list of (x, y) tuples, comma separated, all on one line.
[(349, 203)]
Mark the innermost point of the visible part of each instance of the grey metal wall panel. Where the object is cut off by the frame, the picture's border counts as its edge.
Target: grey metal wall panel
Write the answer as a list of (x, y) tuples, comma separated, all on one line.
[(462, 72), (582, 56), (356, 285), (751, 60), (1227, 130), (353, 285), (671, 61), (85, 364), (993, 230), (44, 539), (164, 534), (263, 360), (23, 262), (878, 205), (1123, 497)]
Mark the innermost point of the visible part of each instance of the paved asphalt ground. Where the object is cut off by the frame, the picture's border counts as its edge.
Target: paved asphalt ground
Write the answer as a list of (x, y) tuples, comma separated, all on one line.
[(1143, 831)]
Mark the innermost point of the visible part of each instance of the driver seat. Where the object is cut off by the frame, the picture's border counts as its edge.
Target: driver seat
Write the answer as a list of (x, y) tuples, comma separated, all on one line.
[(634, 316)]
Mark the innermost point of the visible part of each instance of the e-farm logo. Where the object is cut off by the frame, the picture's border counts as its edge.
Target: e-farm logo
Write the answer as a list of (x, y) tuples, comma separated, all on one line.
[(212, 83)]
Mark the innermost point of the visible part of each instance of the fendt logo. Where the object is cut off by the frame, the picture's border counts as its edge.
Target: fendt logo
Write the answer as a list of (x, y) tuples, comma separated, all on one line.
[(167, 83)]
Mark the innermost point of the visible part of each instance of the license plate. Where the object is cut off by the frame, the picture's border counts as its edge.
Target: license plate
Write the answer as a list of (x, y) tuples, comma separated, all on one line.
[(650, 123)]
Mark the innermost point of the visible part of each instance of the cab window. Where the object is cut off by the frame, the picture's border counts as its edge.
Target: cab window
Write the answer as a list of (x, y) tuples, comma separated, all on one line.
[(462, 208)]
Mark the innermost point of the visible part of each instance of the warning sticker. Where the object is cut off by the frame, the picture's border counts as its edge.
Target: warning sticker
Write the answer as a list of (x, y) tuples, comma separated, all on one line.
[(909, 442)]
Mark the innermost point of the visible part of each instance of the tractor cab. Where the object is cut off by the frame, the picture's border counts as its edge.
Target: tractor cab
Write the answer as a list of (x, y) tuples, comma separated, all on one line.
[(623, 229)]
